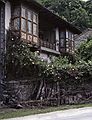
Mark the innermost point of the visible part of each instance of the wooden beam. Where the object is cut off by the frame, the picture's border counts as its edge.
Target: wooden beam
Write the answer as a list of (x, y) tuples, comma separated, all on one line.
[(4, 1)]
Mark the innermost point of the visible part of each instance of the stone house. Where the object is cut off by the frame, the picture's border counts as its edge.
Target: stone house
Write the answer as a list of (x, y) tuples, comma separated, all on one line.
[(36, 25)]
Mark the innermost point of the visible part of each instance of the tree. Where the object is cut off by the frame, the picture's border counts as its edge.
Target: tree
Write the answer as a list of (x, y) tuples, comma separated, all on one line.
[(85, 51), (76, 12), (88, 7)]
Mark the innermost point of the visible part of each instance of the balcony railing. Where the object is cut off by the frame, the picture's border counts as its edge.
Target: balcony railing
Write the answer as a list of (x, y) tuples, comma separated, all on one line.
[(48, 45)]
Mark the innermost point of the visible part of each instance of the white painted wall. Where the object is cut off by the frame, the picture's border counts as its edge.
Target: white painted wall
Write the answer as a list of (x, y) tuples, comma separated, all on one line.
[(7, 18), (7, 15), (57, 39), (44, 57), (66, 33)]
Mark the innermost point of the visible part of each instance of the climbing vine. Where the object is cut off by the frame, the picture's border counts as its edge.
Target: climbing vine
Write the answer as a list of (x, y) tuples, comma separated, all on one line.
[(57, 81), (22, 62)]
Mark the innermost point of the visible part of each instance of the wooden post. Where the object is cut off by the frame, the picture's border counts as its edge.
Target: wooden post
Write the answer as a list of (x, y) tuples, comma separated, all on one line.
[(58, 95), (39, 91)]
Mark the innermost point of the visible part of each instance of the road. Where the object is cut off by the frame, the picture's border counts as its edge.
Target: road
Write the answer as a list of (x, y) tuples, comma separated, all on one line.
[(72, 114)]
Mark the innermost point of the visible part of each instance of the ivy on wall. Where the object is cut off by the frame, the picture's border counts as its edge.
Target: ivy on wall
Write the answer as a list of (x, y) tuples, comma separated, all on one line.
[(22, 63)]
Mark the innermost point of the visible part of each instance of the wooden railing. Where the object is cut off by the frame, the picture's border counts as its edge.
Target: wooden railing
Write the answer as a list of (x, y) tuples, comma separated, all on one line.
[(48, 44)]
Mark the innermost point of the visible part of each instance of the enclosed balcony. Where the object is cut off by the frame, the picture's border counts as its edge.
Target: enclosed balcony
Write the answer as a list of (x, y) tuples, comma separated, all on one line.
[(47, 39), (41, 28), (67, 43), (25, 24), (48, 33)]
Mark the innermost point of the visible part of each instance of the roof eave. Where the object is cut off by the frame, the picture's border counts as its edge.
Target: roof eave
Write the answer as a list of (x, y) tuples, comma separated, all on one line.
[(45, 10)]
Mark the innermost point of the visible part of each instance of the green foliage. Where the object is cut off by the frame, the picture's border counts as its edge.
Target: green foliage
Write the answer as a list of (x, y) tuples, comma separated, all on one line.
[(85, 51), (77, 12), (21, 62)]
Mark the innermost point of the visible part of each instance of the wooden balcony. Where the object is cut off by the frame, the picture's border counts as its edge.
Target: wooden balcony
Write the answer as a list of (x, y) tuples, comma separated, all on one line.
[(48, 45)]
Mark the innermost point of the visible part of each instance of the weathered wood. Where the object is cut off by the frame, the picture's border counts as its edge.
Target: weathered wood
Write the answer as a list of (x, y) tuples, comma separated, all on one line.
[(49, 93), (39, 91), (34, 89), (58, 95)]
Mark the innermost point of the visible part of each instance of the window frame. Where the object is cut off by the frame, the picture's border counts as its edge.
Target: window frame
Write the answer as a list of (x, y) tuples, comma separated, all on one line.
[(69, 41), (29, 34), (16, 17), (62, 37)]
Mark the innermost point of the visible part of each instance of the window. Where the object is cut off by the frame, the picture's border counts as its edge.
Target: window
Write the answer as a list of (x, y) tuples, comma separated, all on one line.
[(62, 39), (23, 13), (16, 24), (25, 22), (35, 18), (29, 14), (23, 25), (15, 18), (69, 42), (69, 35), (29, 25), (16, 12), (35, 29)]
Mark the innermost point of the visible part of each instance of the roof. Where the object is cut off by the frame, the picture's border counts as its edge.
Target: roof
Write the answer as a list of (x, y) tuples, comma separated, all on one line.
[(87, 33), (46, 12)]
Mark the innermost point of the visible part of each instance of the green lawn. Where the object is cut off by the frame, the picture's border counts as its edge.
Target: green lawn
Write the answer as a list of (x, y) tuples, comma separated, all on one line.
[(12, 113)]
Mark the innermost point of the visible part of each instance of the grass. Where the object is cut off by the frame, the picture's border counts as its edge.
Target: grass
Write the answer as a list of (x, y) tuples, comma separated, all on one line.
[(12, 113)]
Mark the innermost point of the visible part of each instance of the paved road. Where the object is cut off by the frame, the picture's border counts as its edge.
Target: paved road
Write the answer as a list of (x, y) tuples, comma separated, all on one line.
[(73, 114)]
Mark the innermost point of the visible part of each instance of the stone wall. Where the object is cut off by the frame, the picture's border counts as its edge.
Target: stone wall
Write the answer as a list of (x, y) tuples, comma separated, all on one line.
[(81, 94), (25, 91), (83, 37), (22, 90)]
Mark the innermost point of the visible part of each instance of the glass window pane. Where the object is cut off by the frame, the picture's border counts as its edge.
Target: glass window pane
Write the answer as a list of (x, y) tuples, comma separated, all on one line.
[(62, 35), (16, 24), (35, 18), (62, 42), (35, 40), (23, 25), (70, 35), (29, 37), (23, 35), (29, 15), (34, 29), (30, 27), (23, 13), (16, 12)]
